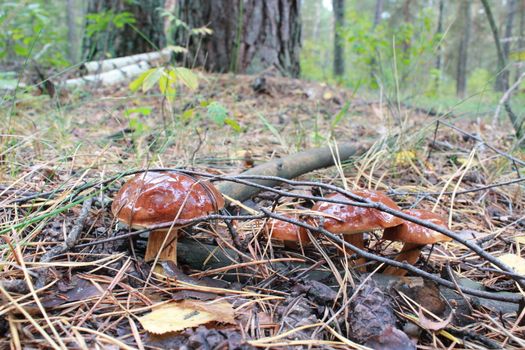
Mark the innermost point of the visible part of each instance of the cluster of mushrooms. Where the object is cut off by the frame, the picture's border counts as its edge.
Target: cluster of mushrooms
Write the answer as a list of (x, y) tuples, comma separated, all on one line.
[(164, 202)]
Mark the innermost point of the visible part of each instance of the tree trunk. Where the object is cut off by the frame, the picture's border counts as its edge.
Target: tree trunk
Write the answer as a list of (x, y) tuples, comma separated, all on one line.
[(503, 78), (495, 34), (73, 14), (339, 21), (439, 49), (249, 36), (461, 82), (146, 34), (521, 40), (377, 19), (378, 12)]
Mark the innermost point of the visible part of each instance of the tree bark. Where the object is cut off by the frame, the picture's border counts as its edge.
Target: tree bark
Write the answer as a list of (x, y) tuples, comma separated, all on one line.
[(377, 19), (521, 40), (146, 34), (339, 22), (439, 49), (461, 79), (499, 49), (73, 14), (503, 78), (249, 36)]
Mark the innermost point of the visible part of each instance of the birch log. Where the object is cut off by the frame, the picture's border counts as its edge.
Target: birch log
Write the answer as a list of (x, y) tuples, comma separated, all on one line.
[(111, 77), (119, 62)]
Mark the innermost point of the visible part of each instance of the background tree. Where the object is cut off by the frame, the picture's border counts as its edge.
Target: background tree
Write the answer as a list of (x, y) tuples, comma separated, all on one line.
[(248, 36), (120, 28), (503, 77), (461, 78), (495, 34), (74, 17), (439, 48), (339, 16)]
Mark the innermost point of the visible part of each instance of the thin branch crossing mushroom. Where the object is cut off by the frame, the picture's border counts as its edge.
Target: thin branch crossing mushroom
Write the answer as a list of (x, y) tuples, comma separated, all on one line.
[(151, 199), (352, 221), (290, 234), (414, 237)]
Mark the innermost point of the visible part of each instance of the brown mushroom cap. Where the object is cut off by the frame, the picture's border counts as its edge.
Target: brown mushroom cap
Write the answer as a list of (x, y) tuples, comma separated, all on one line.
[(156, 198), (286, 231), (354, 219), (410, 232)]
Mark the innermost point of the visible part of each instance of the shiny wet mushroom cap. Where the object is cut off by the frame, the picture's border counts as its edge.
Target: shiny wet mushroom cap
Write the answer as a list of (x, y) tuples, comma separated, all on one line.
[(290, 234), (414, 237), (352, 221), (151, 199)]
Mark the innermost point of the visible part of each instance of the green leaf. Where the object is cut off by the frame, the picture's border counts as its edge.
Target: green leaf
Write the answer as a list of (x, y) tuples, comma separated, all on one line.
[(151, 79), (177, 49), (233, 124), (340, 114), (142, 110), (217, 112), (187, 77), (167, 84), (137, 83)]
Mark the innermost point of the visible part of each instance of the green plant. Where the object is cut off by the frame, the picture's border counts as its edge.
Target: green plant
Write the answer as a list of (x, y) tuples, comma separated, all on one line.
[(101, 22), (29, 31)]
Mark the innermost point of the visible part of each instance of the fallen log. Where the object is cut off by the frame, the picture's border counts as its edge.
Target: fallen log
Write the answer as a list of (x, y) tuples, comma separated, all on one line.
[(101, 66), (111, 77), (288, 167)]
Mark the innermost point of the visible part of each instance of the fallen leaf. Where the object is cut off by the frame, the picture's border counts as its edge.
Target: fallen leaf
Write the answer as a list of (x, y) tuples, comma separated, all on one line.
[(515, 261), (175, 317), (430, 325), (403, 158), (520, 239), (327, 96)]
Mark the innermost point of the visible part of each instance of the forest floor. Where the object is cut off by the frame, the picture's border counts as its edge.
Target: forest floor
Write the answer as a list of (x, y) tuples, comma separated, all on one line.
[(102, 295)]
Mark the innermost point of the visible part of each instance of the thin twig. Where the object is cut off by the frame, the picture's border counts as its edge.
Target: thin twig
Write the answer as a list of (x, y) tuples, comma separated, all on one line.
[(69, 242)]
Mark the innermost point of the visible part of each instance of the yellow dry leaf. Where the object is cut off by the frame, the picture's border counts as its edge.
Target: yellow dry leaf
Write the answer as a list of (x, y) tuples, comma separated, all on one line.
[(514, 261), (520, 239), (404, 157), (327, 96), (175, 317)]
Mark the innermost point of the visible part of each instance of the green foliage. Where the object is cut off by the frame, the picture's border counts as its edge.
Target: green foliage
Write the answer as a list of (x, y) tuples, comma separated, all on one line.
[(102, 21), (480, 80), (28, 31), (166, 78), (135, 120), (390, 52), (219, 115)]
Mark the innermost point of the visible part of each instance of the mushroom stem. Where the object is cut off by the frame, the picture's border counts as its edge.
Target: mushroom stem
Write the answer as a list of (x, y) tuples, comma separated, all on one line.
[(356, 239), (409, 253), (155, 240)]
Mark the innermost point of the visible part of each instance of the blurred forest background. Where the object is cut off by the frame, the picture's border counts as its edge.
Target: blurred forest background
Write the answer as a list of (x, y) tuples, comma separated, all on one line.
[(433, 53)]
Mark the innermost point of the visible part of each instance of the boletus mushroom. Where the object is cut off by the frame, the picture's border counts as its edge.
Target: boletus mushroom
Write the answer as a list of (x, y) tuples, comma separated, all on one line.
[(151, 199), (352, 221), (414, 237), (291, 235)]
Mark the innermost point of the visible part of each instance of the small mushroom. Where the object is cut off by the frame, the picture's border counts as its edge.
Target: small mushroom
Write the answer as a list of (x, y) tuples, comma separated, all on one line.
[(291, 235), (414, 237), (352, 221), (151, 199)]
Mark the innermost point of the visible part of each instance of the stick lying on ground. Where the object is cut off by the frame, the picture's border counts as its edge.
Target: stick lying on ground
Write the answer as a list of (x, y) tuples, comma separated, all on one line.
[(288, 167)]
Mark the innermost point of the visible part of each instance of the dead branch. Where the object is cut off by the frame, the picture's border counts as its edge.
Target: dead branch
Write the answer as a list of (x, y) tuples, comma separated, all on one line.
[(288, 167), (69, 243)]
